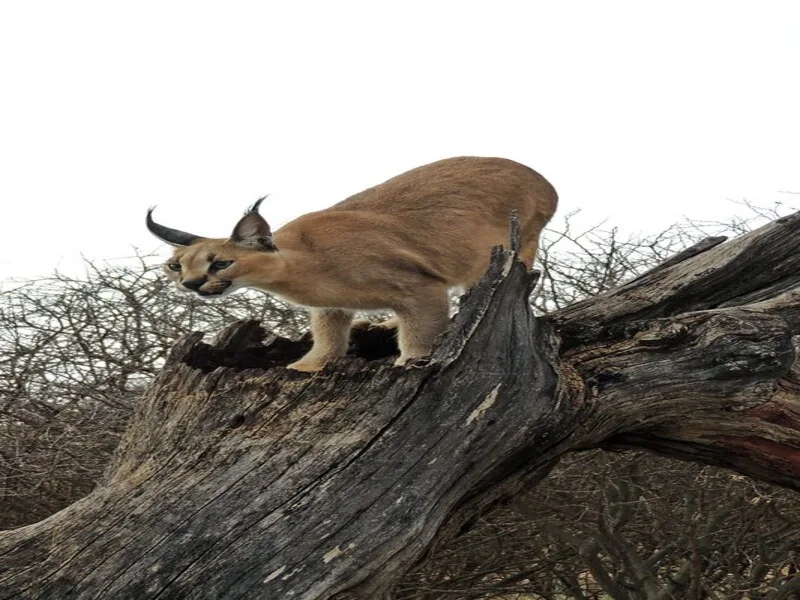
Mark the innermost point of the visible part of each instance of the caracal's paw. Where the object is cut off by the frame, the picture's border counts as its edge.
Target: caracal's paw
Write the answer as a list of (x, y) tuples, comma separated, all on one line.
[(401, 361), (404, 360), (307, 366)]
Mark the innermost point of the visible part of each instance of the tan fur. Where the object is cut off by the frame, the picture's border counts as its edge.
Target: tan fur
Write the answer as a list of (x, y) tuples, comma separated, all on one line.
[(399, 245)]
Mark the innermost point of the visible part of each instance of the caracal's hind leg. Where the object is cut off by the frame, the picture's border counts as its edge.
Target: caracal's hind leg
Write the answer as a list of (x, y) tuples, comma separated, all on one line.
[(330, 328), (420, 321), (528, 252)]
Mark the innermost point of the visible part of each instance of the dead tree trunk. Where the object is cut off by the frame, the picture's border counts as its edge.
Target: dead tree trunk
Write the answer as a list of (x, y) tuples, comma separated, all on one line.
[(240, 479)]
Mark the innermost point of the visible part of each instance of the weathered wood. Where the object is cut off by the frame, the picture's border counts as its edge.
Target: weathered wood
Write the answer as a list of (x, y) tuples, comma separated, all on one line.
[(241, 483), (693, 250), (711, 338), (240, 479), (751, 268)]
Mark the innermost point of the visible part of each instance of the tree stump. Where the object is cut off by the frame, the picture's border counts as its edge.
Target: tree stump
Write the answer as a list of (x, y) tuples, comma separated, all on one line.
[(238, 478)]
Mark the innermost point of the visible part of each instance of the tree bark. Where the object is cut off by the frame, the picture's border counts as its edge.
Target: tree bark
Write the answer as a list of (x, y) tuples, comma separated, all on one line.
[(240, 479)]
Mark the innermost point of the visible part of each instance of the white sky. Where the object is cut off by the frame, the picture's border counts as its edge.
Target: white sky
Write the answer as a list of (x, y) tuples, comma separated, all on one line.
[(638, 111)]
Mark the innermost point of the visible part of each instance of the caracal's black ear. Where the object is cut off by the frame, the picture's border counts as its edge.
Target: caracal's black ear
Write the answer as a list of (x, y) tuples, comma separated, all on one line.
[(173, 237), (252, 231)]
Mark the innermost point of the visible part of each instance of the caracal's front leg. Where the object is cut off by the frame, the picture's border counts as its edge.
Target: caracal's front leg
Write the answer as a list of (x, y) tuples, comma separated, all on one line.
[(330, 328), (419, 322)]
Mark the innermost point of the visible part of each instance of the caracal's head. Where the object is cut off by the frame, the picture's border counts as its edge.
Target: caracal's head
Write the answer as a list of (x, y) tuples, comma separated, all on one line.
[(213, 267)]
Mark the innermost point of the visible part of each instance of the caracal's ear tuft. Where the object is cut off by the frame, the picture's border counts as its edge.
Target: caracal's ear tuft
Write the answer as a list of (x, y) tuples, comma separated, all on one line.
[(252, 231), (173, 237), (254, 207)]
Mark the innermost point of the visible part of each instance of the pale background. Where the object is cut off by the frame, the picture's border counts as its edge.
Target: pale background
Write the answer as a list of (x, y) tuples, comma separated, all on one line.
[(640, 112)]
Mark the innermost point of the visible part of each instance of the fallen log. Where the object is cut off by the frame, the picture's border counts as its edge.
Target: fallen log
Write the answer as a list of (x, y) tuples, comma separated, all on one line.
[(238, 478)]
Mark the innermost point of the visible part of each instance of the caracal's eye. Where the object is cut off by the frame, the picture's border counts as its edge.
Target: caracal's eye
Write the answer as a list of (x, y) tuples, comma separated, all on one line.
[(174, 266), (218, 265)]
